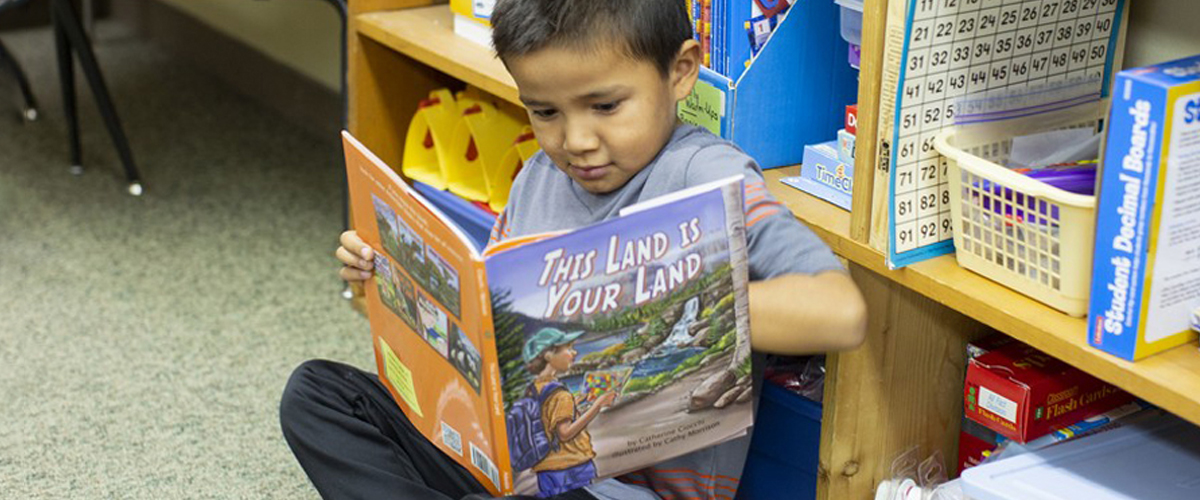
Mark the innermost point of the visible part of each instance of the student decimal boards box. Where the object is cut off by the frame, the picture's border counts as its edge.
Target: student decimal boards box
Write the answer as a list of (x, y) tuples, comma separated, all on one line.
[(793, 92), (1146, 276)]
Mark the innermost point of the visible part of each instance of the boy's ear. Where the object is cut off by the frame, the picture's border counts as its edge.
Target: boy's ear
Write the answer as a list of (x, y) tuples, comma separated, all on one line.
[(685, 69)]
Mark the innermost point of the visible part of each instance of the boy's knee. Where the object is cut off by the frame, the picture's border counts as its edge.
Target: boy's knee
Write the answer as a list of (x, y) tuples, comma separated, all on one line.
[(302, 387)]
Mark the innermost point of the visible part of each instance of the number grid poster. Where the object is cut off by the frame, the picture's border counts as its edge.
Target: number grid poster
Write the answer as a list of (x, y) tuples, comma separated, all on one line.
[(958, 48)]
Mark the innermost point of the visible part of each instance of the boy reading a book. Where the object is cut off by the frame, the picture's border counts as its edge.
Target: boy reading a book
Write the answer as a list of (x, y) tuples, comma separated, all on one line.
[(601, 80)]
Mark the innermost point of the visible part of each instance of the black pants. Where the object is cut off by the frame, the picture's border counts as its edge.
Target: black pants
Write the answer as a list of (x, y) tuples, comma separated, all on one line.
[(354, 442)]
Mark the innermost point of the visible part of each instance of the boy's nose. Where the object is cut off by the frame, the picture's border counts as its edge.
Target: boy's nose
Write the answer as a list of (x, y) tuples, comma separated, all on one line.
[(580, 138)]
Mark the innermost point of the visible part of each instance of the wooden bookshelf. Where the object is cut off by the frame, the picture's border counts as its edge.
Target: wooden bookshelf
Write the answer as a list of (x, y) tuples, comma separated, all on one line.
[(427, 35), (903, 387), (1170, 380)]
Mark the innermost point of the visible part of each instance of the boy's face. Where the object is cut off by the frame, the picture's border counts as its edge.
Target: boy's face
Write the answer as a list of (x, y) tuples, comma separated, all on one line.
[(561, 357), (601, 115)]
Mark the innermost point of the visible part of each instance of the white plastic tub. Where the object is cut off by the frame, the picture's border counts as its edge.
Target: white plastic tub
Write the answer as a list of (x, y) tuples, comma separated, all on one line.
[(852, 19)]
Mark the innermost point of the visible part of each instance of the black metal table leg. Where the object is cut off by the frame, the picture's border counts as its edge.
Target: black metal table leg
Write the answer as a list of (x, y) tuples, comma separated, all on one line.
[(30, 112), (68, 30)]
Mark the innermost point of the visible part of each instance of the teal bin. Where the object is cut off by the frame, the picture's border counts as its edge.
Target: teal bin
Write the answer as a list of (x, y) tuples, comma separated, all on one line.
[(782, 463)]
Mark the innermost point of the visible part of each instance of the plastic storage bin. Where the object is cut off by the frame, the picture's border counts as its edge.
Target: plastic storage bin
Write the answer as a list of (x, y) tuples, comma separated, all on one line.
[(852, 20), (782, 462), (1156, 459), (1018, 231)]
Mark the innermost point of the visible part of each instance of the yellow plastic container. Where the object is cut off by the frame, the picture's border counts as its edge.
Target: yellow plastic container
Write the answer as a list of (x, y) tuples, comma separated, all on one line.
[(1015, 230), (500, 179), (426, 146), (482, 137)]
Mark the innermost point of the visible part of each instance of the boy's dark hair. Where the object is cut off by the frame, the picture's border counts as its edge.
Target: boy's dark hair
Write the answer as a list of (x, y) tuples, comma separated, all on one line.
[(650, 30)]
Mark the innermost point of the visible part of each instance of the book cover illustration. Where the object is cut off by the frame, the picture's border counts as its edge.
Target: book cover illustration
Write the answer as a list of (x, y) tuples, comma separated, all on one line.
[(630, 338), (427, 307), (591, 333)]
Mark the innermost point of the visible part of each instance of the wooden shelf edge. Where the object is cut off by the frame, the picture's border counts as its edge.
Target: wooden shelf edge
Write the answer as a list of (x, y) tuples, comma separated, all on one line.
[(426, 34), (1168, 380)]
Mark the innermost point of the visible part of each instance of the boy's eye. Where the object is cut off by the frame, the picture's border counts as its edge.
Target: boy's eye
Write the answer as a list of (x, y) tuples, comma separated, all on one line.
[(607, 107), (544, 113)]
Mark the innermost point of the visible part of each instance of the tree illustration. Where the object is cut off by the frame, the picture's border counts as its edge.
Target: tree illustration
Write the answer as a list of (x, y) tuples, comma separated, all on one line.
[(510, 339)]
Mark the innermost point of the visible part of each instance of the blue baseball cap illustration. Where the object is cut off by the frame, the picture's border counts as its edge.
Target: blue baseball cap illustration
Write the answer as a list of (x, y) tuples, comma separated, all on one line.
[(544, 338)]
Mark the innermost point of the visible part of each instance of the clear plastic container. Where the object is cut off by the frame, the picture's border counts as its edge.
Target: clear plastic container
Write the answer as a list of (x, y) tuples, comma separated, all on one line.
[(852, 20)]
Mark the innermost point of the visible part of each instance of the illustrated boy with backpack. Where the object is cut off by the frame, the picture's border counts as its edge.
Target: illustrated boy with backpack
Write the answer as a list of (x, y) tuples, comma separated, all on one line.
[(546, 432)]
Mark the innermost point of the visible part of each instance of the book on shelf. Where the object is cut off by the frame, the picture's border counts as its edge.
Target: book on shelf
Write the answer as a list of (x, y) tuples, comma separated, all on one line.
[(775, 76), (591, 352)]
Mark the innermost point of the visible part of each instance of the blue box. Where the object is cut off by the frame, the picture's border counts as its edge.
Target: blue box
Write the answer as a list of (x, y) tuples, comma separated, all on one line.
[(823, 176), (784, 449), (794, 92), (474, 221), (1146, 275)]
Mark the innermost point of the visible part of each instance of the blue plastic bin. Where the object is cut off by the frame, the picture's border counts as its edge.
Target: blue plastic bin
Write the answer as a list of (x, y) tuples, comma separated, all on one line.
[(473, 220), (783, 452)]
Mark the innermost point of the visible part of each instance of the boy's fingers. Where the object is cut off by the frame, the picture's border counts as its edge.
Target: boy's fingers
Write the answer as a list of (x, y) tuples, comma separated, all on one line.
[(352, 260), (354, 274), (355, 245)]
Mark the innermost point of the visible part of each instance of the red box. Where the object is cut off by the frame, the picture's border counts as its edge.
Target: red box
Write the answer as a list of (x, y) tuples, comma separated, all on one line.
[(1023, 394), (852, 119), (975, 443)]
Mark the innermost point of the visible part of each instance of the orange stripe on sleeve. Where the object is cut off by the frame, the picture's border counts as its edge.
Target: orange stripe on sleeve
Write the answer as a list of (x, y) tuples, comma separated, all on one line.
[(750, 201), (761, 215), (694, 473)]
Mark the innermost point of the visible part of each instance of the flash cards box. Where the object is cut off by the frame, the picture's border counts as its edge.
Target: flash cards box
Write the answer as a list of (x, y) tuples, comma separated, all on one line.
[(1146, 276)]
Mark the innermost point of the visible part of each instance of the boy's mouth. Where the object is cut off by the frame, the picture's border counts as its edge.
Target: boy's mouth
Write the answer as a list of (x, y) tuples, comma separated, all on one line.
[(590, 173)]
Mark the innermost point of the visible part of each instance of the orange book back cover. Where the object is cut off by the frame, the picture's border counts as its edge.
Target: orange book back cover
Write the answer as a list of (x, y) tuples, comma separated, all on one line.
[(430, 319)]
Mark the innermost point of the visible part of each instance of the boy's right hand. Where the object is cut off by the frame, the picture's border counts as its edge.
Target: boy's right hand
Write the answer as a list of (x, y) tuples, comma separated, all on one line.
[(357, 256), (606, 399)]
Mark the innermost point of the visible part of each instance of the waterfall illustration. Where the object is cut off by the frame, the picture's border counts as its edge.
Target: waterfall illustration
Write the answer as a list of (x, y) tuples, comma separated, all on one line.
[(679, 333)]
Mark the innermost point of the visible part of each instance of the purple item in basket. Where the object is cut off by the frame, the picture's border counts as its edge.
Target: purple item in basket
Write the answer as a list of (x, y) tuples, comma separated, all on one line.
[(1079, 180)]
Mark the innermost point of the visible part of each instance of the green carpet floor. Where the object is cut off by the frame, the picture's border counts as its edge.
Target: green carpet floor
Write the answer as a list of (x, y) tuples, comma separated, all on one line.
[(144, 342)]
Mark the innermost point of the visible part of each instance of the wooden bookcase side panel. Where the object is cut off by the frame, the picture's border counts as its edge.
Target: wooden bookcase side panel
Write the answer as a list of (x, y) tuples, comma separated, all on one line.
[(869, 82), (902, 388), (387, 88)]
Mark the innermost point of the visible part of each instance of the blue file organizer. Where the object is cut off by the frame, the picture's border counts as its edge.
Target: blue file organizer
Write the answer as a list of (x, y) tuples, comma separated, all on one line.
[(796, 90)]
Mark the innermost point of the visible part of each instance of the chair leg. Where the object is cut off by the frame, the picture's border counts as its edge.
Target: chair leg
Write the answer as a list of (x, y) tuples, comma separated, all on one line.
[(66, 77), (66, 19), (6, 59)]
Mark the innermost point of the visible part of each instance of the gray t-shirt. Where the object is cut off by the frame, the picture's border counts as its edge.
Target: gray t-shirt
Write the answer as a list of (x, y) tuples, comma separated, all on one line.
[(545, 199)]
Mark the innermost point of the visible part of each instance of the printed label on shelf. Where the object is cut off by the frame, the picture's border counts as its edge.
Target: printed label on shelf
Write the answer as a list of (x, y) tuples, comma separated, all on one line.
[(1000, 405)]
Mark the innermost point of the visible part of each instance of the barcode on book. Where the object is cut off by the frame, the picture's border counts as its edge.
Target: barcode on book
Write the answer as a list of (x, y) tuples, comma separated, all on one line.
[(452, 438), (485, 465)]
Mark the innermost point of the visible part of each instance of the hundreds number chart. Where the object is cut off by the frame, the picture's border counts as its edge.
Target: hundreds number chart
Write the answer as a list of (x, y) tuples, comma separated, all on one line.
[(956, 48)]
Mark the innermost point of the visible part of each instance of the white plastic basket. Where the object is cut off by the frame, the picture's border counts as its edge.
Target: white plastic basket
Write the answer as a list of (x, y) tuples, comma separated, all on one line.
[(1015, 230)]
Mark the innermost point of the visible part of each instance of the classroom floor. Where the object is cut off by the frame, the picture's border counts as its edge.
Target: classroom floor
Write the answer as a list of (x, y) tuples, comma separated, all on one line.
[(144, 342)]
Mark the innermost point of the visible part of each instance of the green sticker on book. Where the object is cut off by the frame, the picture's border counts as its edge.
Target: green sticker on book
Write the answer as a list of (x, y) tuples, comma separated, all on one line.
[(400, 377), (704, 107)]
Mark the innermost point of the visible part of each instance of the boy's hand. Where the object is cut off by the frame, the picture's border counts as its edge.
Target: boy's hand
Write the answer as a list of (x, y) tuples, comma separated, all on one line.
[(357, 256), (606, 399)]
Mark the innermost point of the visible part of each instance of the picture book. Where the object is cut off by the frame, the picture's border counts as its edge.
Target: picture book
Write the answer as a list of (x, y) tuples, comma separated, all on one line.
[(550, 361)]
